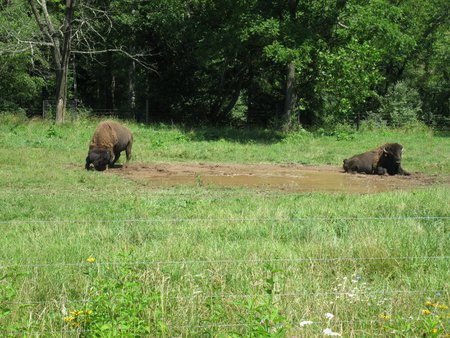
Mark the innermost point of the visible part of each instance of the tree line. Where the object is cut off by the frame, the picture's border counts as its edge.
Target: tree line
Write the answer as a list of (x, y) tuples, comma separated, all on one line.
[(280, 63)]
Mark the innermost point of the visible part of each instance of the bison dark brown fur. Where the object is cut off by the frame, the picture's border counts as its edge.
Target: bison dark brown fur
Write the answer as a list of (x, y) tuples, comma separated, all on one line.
[(109, 140), (383, 159)]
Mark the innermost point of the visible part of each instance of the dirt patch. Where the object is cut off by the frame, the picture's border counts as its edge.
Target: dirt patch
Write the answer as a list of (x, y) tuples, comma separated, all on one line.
[(289, 178)]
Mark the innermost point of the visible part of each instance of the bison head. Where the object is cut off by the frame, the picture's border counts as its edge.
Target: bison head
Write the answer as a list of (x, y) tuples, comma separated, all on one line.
[(100, 158), (393, 152), (391, 158)]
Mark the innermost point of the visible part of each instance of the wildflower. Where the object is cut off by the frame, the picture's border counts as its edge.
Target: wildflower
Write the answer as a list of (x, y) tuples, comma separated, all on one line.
[(428, 303), (356, 279), (385, 316), (90, 260), (88, 312), (426, 312), (443, 307), (329, 332), (76, 313), (69, 319), (435, 330), (306, 322), (329, 316)]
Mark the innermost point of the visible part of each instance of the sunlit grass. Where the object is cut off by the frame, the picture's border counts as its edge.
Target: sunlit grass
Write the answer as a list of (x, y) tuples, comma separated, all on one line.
[(212, 261)]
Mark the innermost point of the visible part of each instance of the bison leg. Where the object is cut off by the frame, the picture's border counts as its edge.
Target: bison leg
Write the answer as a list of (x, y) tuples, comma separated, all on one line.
[(88, 163), (403, 172), (380, 171), (128, 151), (116, 157)]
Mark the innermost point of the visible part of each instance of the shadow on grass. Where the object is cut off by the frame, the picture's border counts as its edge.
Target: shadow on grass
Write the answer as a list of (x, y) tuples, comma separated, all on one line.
[(110, 167), (239, 135)]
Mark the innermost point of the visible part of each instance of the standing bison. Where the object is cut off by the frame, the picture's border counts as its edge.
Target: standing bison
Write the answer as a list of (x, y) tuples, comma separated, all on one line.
[(109, 140), (383, 159)]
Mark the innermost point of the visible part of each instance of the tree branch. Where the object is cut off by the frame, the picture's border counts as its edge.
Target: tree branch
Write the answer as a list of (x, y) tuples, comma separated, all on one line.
[(135, 57)]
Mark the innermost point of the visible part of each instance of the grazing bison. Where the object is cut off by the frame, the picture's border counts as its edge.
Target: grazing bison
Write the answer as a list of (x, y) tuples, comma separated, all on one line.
[(110, 138), (383, 159)]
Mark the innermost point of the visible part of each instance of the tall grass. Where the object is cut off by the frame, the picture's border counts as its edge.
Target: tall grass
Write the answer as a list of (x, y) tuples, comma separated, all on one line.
[(215, 261)]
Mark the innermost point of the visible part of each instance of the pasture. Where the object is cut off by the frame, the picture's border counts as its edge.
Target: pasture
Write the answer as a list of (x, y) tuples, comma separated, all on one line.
[(108, 254)]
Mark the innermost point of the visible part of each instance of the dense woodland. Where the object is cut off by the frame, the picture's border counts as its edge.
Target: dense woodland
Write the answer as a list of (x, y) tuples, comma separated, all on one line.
[(278, 63)]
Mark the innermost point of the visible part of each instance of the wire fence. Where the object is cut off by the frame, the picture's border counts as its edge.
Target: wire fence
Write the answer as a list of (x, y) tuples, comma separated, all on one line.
[(296, 325), (202, 296), (205, 295), (228, 220), (222, 261), (117, 329)]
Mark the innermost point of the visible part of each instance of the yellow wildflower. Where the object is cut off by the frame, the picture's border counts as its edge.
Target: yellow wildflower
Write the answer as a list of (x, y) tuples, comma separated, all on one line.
[(426, 312), (443, 307), (428, 303), (88, 312), (76, 313), (435, 330), (69, 319), (90, 260), (385, 316)]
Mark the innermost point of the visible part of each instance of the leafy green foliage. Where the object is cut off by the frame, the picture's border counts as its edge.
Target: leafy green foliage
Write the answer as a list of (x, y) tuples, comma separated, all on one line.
[(225, 62), (119, 304), (401, 105)]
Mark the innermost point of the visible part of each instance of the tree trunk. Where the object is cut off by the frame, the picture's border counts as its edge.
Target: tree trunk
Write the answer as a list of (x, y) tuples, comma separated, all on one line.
[(61, 96), (289, 99), (111, 85), (61, 52), (131, 88), (227, 110), (63, 69)]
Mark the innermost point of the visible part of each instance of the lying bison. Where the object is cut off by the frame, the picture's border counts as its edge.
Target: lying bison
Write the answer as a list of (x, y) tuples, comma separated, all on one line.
[(383, 159), (110, 138)]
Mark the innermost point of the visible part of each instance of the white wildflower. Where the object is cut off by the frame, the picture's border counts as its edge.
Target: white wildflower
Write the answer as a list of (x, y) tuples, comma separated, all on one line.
[(329, 332), (329, 315), (306, 322)]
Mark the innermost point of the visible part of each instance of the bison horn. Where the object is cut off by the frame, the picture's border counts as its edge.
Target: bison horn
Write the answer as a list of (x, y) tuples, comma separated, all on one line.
[(384, 150)]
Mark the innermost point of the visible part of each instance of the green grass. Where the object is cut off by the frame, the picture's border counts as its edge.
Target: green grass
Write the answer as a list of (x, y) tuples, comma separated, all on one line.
[(216, 261)]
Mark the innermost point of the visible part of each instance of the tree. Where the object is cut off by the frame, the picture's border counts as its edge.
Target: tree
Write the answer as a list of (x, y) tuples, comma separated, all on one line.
[(60, 43), (23, 69)]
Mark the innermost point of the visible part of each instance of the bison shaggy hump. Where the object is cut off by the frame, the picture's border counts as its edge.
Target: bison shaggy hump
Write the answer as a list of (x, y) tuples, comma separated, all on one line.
[(385, 158), (109, 140)]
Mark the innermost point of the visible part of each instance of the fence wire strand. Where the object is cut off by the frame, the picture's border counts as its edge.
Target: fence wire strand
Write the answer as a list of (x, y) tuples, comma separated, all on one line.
[(224, 261), (230, 220), (197, 295)]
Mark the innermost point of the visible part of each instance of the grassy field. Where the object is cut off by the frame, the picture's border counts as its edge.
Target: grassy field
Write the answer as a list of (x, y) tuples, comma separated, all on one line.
[(95, 254)]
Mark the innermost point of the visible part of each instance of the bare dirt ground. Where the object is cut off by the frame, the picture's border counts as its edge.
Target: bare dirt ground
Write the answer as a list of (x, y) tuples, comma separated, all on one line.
[(288, 178)]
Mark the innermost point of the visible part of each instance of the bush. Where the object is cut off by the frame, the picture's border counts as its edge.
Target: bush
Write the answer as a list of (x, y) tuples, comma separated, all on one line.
[(373, 121), (401, 105), (13, 118)]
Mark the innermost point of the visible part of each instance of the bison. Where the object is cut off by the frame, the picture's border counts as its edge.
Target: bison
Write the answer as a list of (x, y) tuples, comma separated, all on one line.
[(109, 140), (383, 159)]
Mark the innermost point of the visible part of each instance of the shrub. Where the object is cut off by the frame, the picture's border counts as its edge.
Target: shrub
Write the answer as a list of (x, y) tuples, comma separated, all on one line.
[(401, 105)]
